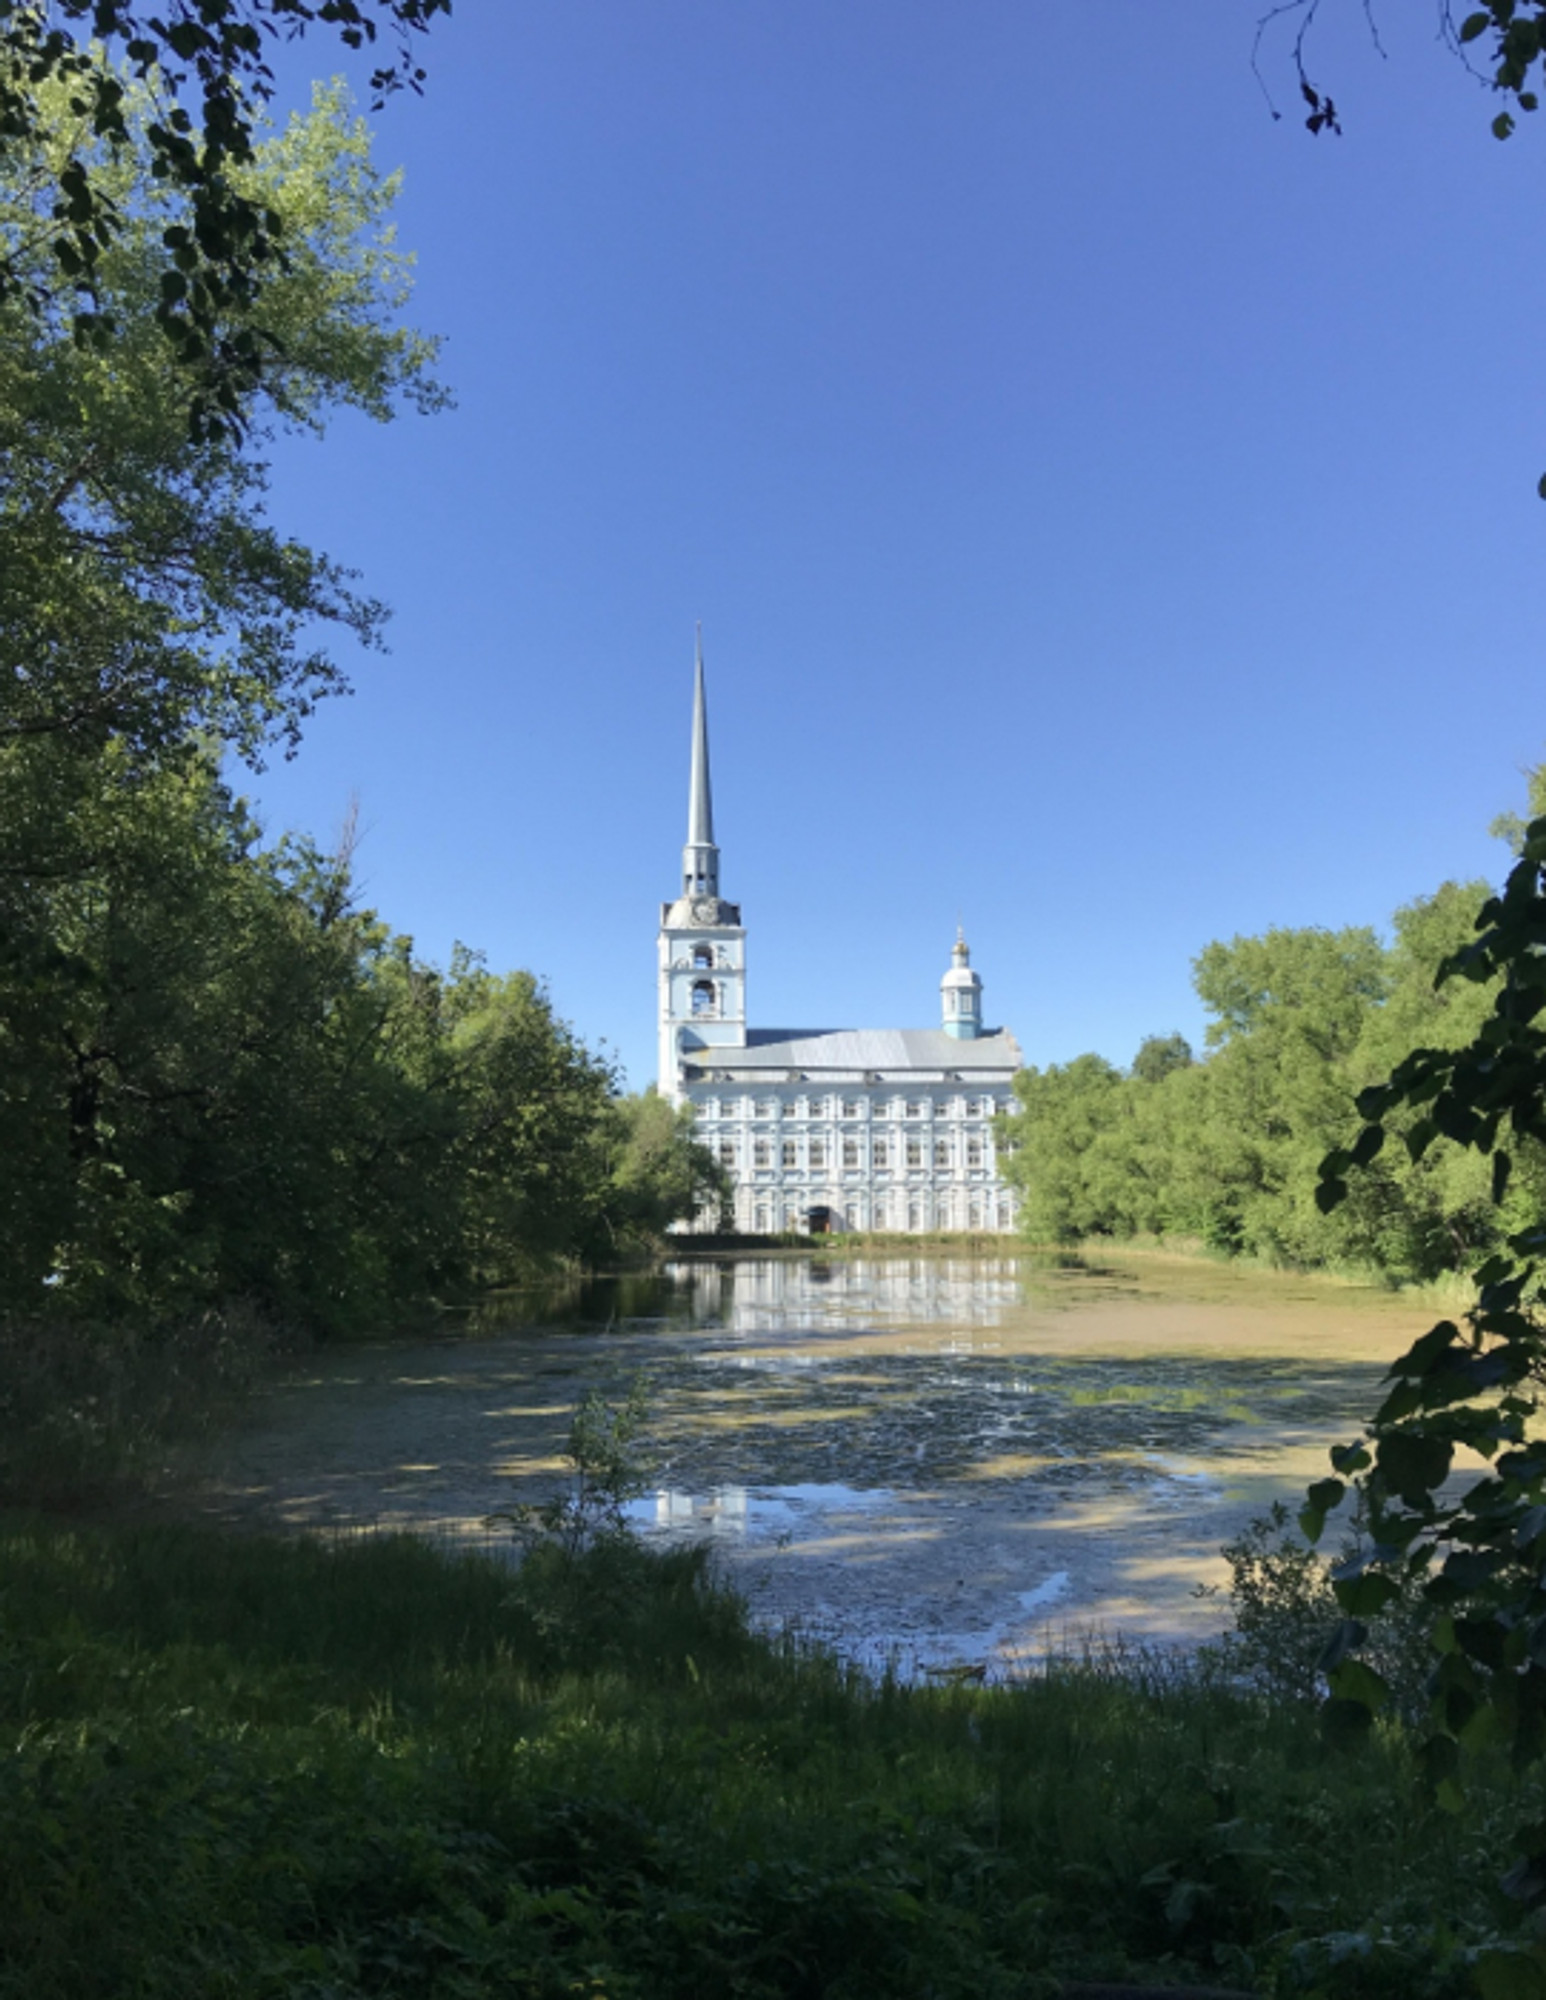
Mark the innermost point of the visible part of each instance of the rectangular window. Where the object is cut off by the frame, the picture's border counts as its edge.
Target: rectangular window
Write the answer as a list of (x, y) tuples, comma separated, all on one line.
[(791, 1154), (882, 1153), (879, 1110), (790, 1108), (915, 1152), (818, 1156), (767, 1108), (762, 1154), (850, 1107), (914, 1108), (942, 1152), (710, 1108), (850, 1152), (974, 1152), (942, 1109), (727, 1152)]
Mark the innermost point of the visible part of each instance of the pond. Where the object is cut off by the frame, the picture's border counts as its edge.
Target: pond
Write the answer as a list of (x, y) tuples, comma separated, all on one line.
[(932, 1460)]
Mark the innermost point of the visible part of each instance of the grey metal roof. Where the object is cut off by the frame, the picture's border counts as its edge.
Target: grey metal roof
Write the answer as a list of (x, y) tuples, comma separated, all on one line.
[(890, 1052)]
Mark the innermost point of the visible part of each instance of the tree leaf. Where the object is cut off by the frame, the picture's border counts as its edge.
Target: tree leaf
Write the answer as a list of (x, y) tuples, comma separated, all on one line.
[(1322, 1496), (1346, 1637), (1356, 1680)]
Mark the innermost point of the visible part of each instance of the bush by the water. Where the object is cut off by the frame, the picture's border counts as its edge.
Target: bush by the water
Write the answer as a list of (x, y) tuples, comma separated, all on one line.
[(1283, 1610), (239, 1766)]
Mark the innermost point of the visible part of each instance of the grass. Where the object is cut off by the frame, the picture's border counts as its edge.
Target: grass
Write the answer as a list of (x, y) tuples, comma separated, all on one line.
[(241, 1766), (1447, 1291), (93, 1415)]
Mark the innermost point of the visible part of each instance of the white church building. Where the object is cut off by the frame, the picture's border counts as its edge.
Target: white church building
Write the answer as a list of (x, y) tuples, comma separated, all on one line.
[(850, 1128)]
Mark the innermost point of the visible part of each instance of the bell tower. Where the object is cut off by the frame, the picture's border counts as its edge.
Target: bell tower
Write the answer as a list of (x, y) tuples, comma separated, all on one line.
[(702, 944)]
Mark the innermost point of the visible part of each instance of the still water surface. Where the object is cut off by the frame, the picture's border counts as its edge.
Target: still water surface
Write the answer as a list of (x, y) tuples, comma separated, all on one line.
[(932, 1460)]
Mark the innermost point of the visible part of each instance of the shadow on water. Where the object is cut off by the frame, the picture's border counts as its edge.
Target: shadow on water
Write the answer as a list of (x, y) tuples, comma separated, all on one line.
[(931, 1452), (586, 1302)]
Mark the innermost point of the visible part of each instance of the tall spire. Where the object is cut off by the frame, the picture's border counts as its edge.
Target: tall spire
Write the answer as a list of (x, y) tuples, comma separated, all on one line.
[(700, 797), (700, 857)]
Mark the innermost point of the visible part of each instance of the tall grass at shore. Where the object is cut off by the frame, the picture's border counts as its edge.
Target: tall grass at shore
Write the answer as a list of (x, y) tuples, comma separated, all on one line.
[(93, 1414), (246, 1766)]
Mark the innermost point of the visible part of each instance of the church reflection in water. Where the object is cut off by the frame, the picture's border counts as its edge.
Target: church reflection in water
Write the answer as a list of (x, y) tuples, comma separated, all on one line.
[(766, 1295)]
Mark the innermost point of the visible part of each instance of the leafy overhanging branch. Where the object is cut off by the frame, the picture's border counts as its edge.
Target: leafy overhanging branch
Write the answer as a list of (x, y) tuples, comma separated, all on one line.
[(1451, 1471), (206, 65)]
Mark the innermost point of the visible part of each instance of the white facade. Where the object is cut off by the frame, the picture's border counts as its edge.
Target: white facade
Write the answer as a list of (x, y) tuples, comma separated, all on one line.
[(879, 1128)]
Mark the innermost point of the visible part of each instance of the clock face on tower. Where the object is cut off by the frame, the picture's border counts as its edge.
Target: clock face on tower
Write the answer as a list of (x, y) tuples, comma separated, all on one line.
[(705, 910)]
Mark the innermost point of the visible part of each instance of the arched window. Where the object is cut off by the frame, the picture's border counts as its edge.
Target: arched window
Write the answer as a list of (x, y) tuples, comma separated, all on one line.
[(703, 1001), (703, 956)]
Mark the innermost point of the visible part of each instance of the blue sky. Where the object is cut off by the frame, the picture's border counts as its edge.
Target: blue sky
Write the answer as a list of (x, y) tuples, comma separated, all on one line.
[(1111, 512)]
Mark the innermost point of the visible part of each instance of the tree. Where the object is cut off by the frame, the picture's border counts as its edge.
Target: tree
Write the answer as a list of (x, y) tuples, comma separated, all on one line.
[(211, 1065), (1158, 1055), (182, 1019), (1478, 1554), (528, 1166), (200, 66), (144, 597), (659, 1173), (1502, 42), (1064, 1110)]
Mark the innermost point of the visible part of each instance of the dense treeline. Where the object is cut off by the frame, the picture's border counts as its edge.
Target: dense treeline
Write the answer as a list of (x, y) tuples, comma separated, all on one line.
[(1225, 1148), (219, 1078)]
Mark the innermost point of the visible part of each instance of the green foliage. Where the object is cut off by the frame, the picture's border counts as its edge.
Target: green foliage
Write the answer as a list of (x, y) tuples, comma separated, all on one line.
[(221, 247), (144, 596), (246, 1766), (1510, 826), (1225, 1150), (1284, 1609), (659, 1173), (1501, 42), (1468, 1394), (610, 1468), (1159, 1055), (90, 1412), (180, 1014)]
